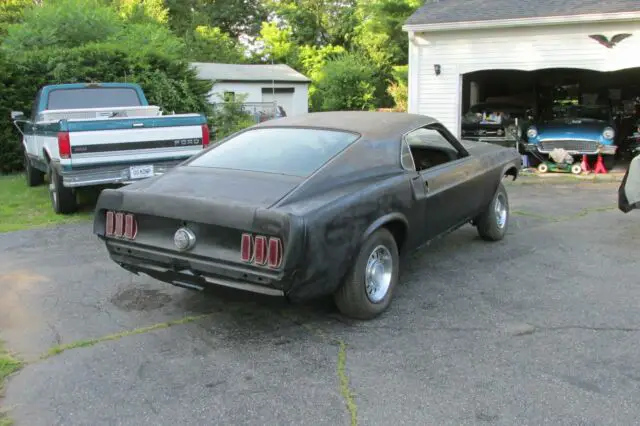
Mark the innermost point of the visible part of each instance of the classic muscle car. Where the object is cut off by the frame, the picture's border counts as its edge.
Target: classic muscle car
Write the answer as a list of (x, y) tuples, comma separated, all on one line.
[(578, 129), (495, 122), (308, 206)]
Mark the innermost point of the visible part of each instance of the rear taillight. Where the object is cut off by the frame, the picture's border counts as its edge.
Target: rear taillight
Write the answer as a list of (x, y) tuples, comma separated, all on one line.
[(205, 135), (64, 145), (120, 225), (260, 250)]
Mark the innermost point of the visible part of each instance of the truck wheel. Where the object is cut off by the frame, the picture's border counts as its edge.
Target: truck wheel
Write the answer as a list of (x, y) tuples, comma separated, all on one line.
[(368, 288), (492, 224), (63, 199), (34, 176)]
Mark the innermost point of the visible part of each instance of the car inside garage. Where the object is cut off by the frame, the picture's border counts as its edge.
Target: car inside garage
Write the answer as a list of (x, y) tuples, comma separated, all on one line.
[(531, 96), (542, 76)]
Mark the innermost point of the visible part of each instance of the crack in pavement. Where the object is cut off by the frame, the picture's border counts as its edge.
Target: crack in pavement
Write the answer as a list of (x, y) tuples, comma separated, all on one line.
[(58, 349), (343, 378), (341, 367)]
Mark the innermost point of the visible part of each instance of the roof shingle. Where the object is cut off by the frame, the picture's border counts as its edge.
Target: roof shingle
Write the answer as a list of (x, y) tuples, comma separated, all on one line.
[(453, 11)]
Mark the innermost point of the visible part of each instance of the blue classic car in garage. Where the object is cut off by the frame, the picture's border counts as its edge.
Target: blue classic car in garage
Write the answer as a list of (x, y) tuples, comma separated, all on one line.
[(578, 129)]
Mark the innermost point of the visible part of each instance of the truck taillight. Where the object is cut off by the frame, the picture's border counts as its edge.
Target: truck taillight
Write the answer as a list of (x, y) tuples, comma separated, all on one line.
[(64, 144), (205, 135), (260, 250)]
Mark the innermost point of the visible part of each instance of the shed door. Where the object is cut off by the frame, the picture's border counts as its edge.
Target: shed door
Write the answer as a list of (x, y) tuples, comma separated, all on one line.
[(283, 96)]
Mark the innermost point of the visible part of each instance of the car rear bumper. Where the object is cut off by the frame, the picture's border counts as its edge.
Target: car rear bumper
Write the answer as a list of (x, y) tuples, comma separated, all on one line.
[(113, 174), (197, 274)]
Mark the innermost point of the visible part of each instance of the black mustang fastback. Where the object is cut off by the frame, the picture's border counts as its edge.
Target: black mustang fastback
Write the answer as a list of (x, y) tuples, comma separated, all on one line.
[(311, 205)]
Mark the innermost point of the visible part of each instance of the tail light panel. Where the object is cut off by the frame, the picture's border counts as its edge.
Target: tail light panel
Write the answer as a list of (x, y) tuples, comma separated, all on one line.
[(64, 145), (120, 225), (205, 136), (261, 250)]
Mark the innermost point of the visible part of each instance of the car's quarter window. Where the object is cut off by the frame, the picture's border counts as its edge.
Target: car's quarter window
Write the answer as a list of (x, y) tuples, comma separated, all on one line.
[(406, 158), (429, 148), (288, 151)]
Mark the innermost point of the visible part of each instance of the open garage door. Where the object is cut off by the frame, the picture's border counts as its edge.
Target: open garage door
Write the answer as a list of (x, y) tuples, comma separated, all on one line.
[(581, 111)]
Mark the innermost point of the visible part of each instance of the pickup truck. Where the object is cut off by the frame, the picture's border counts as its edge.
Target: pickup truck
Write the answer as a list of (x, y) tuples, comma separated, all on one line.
[(98, 134)]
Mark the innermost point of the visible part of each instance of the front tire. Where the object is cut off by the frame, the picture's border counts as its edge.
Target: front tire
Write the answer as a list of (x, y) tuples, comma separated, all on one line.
[(63, 199), (34, 176), (368, 288), (492, 224)]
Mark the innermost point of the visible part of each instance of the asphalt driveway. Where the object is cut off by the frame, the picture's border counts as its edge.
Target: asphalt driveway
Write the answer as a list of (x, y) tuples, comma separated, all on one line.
[(542, 328)]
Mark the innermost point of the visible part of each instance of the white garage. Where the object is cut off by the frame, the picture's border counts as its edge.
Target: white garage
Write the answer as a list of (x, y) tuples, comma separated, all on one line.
[(451, 42)]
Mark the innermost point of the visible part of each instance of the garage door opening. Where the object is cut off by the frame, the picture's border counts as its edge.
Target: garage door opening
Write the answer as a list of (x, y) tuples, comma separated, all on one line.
[(536, 97)]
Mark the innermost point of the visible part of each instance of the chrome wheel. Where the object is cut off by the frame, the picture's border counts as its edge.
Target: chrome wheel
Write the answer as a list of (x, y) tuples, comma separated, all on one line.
[(378, 273), (501, 211)]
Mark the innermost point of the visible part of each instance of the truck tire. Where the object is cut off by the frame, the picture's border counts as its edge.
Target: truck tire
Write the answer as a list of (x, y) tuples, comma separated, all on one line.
[(34, 176), (493, 222), (368, 288), (63, 199)]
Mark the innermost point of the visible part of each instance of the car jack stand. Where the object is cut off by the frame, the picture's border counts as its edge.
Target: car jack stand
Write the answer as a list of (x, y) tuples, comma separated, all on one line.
[(599, 168), (585, 164)]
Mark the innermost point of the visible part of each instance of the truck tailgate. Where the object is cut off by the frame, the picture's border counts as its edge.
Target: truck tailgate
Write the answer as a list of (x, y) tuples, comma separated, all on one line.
[(134, 145)]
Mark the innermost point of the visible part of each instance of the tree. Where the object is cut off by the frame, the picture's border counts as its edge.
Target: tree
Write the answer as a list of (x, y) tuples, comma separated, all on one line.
[(62, 23), (11, 12), (317, 22), (141, 11), (210, 44), (380, 29), (233, 17), (348, 82)]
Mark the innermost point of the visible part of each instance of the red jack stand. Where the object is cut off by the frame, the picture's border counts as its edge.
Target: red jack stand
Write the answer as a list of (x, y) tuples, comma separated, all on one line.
[(599, 168), (585, 164)]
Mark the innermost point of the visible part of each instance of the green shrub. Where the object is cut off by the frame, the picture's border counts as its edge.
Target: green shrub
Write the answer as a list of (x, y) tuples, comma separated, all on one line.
[(347, 82), (230, 117)]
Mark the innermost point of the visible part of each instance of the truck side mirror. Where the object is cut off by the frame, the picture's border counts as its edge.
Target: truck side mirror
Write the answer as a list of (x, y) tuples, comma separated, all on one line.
[(17, 115)]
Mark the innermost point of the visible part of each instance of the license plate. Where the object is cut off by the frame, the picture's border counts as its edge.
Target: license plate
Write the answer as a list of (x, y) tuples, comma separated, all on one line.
[(141, 172)]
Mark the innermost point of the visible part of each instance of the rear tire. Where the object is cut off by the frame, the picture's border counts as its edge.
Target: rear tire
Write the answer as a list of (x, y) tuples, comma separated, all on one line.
[(34, 176), (493, 223), (63, 199), (368, 288)]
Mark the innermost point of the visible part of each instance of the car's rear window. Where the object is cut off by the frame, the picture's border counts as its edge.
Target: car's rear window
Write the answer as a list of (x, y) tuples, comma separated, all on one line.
[(98, 97), (289, 151)]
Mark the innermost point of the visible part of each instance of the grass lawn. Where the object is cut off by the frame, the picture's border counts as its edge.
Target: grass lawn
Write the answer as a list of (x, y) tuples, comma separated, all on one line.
[(8, 366), (22, 207)]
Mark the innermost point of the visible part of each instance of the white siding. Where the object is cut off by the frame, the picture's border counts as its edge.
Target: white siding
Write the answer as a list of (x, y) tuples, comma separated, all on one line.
[(528, 49), (300, 102)]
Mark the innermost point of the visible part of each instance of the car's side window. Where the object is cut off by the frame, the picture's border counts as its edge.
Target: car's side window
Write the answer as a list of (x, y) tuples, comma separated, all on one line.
[(430, 147)]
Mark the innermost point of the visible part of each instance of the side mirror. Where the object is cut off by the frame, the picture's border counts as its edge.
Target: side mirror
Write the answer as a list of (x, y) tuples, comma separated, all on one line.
[(17, 115)]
